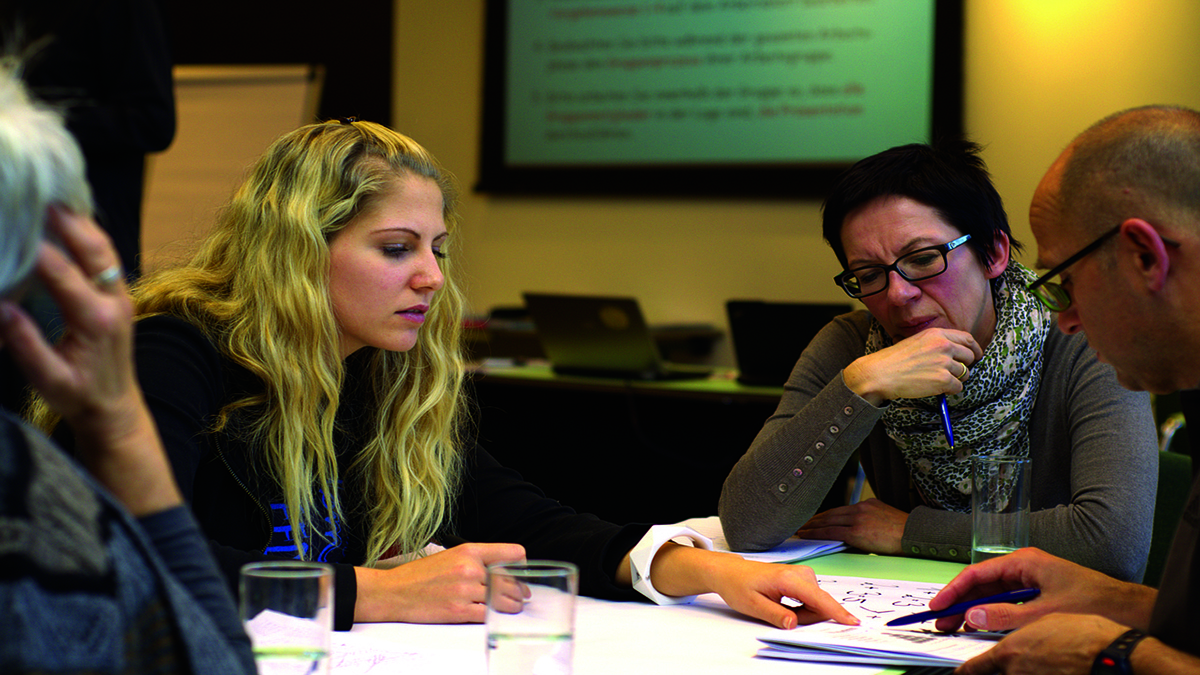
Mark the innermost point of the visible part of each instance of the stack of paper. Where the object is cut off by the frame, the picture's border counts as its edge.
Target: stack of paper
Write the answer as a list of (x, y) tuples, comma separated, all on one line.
[(793, 550), (873, 645), (790, 551)]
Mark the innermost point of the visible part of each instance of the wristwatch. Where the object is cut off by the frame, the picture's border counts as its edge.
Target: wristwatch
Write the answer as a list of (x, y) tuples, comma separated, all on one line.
[(642, 556), (1114, 660)]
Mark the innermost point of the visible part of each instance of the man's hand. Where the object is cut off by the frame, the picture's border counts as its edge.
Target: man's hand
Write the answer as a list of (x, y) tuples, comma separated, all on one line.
[(1065, 587), (1066, 644)]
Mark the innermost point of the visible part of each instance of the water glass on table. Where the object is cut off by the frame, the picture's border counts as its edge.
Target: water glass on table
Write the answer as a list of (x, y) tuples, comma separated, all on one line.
[(531, 617), (287, 609), (999, 505)]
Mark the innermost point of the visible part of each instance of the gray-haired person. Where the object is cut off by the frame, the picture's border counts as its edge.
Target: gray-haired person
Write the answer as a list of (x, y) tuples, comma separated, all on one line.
[(102, 568)]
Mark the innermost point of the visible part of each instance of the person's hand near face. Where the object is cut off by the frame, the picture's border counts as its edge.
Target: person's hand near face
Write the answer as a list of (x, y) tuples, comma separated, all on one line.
[(88, 376), (938, 325), (935, 361)]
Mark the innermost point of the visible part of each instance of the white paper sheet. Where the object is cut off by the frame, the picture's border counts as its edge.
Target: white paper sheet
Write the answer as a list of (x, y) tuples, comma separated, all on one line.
[(875, 602), (355, 654), (872, 644)]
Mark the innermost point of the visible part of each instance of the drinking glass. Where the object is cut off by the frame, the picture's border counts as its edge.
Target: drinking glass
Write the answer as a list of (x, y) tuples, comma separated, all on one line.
[(999, 506), (531, 617), (287, 609)]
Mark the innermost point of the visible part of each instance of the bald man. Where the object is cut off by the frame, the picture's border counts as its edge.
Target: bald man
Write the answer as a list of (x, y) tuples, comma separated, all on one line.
[(1117, 223)]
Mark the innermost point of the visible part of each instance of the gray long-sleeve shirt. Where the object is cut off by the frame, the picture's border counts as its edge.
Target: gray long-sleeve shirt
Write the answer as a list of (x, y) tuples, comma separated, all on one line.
[(1093, 445)]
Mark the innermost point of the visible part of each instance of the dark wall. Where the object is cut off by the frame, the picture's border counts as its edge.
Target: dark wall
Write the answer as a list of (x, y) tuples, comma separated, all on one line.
[(352, 40)]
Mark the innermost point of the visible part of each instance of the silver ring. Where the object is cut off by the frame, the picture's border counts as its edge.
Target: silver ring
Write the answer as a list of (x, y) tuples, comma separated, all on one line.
[(109, 276), (963, 375)]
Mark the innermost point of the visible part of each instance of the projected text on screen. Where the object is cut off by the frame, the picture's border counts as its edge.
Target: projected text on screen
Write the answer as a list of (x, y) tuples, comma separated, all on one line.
[(701, 81)]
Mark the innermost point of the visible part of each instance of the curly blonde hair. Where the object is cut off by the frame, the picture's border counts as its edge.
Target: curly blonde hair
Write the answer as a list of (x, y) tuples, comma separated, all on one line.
[(258, 287)]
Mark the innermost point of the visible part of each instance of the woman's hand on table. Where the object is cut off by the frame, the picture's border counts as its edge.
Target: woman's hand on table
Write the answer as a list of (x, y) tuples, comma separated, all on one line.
[(926, 364), (449, 586), (758, 589), (1065, 587), (869, 525), (752, 588)]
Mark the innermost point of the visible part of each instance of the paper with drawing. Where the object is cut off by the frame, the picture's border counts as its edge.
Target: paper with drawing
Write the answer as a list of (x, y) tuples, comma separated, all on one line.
[(875, 602)]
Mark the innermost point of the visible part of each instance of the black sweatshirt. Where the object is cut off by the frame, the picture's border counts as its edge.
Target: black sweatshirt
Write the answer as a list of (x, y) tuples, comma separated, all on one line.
[(187, 381)]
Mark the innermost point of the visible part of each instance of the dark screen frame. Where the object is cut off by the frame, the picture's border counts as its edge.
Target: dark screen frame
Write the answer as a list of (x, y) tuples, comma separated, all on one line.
[(691, 180)]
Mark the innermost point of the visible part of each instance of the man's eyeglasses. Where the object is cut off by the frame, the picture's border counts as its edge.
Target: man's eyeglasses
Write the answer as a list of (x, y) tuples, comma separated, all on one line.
[(1053, 295), (921, 264)]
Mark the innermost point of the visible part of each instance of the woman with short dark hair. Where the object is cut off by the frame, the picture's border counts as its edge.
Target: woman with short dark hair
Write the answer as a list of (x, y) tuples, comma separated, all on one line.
[(925, 244)]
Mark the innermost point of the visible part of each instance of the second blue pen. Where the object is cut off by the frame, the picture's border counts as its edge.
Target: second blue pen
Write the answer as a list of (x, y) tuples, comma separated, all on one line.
[(946, 420)]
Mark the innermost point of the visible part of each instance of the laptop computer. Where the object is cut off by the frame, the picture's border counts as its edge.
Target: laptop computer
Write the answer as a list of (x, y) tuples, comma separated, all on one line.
[(601, 336), (768, 337)]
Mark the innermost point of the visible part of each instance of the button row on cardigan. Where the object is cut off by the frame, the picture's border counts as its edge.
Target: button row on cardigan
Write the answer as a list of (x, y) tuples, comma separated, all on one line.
[(932, 550)]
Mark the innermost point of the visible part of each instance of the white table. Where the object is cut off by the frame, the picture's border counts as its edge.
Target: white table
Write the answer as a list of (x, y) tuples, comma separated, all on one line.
[(611, 638), (623, 638)]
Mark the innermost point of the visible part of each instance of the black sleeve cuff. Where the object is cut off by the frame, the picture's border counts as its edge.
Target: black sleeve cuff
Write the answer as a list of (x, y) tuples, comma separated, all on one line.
[(345, 596)]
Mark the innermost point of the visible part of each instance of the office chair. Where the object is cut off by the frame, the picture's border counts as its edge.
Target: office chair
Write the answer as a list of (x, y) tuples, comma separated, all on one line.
[(1174, 484)]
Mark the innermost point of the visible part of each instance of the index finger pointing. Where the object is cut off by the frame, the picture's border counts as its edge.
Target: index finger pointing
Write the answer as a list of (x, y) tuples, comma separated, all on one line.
[(823, 604)]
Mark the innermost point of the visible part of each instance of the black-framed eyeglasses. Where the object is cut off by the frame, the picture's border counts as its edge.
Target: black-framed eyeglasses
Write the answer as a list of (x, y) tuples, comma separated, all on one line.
[(923, 263), (1053, 295)]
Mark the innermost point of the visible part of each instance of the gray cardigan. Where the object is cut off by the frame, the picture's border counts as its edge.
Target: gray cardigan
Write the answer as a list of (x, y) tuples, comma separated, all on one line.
[(1093, 444)]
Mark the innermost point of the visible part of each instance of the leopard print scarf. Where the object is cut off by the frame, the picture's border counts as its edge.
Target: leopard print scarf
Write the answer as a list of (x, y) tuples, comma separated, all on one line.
[(991, 414)]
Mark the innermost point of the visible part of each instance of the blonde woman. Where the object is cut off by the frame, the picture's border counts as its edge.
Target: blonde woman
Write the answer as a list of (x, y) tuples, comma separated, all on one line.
[(304, 370)]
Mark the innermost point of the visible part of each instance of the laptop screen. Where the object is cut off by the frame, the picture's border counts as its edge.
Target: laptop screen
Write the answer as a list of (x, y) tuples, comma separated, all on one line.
[(768, 337)]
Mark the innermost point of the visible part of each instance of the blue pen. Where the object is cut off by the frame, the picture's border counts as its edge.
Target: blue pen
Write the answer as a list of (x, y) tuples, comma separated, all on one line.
[(960, 608), (946, 420)]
